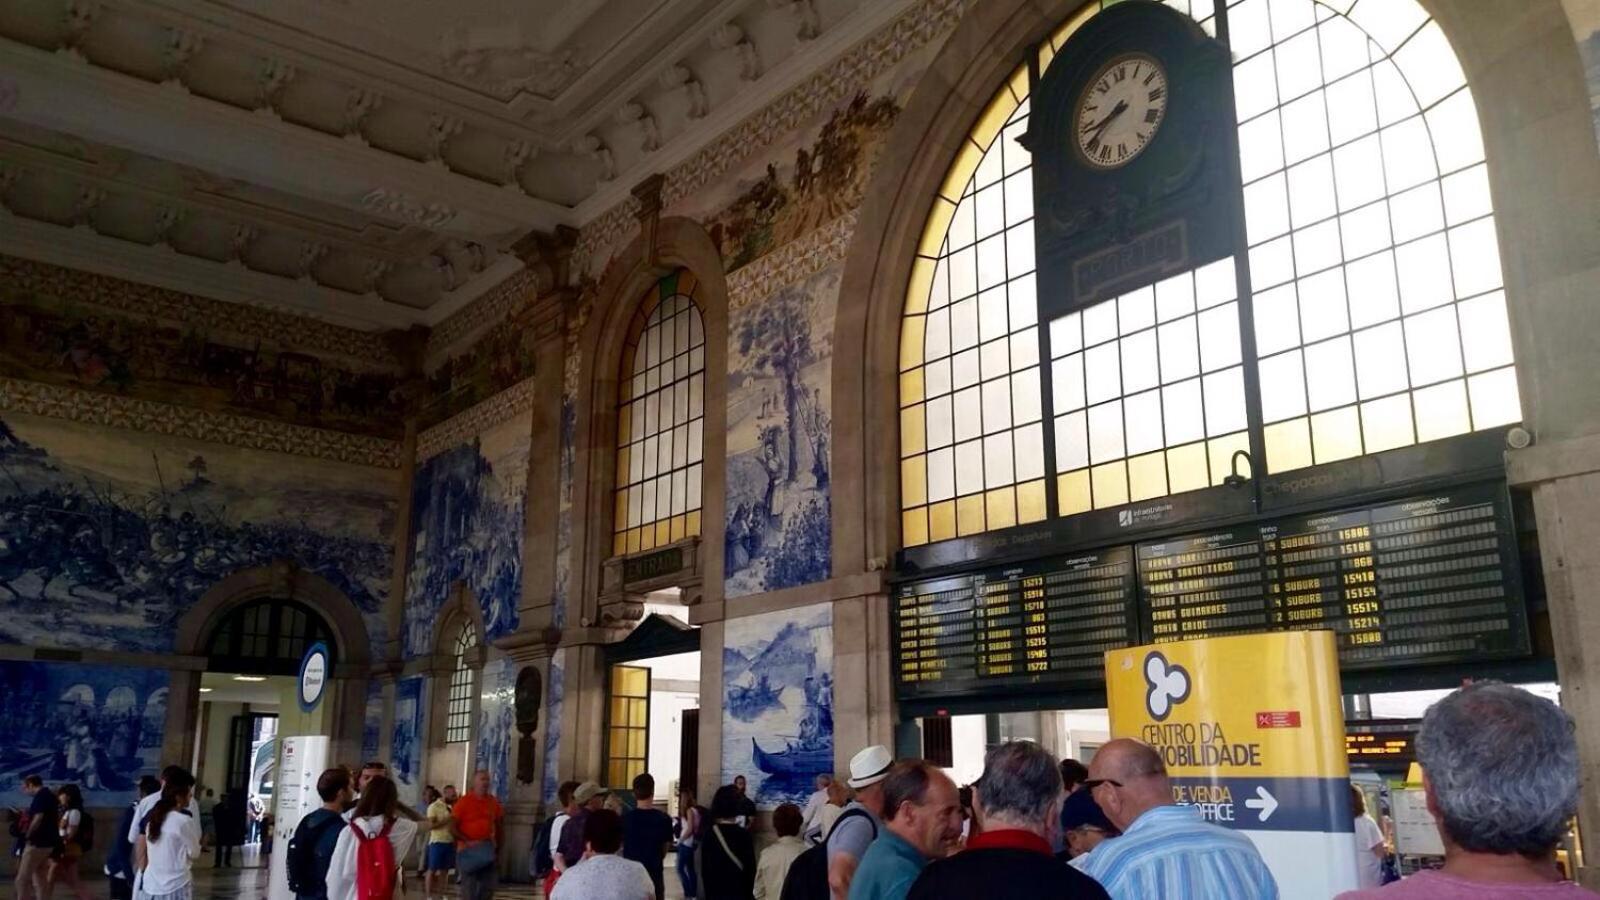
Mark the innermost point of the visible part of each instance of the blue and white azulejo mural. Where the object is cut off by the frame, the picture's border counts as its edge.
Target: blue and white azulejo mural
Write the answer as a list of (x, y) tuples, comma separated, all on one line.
[(467, 509), (777, 701), (496, 726), (780, 424), (406, 751), (99, 727)]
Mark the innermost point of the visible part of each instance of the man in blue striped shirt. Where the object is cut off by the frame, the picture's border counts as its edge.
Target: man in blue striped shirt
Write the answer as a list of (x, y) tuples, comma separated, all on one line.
[(1166, 852)]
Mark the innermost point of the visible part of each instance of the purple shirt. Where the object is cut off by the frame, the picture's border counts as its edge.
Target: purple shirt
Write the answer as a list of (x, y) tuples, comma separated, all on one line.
[(1439, 886)]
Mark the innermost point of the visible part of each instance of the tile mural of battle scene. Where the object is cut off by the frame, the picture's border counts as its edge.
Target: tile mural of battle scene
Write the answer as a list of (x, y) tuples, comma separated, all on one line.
[(500, 358), (99, 727), (54, 341), (467, 516), (779, 531), (106, 540), (777, 686)]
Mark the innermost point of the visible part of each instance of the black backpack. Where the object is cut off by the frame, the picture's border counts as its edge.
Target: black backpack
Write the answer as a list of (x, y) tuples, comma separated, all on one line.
[(808, 875), (543, 861), (85, 833), (308, 872)]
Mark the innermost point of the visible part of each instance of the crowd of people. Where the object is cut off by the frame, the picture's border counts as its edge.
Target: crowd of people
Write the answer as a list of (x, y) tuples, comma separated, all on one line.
[(1500, 779)]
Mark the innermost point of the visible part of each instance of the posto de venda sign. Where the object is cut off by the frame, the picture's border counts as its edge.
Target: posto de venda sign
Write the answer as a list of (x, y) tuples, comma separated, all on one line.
[(1252, 732), (313, 681)]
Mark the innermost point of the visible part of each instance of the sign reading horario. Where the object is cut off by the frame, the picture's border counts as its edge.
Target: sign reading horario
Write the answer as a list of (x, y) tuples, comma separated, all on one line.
[(1252, 732)]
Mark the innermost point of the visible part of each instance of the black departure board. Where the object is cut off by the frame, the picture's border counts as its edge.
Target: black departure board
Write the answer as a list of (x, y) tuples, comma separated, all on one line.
[(1421, 581), (1043, 625)]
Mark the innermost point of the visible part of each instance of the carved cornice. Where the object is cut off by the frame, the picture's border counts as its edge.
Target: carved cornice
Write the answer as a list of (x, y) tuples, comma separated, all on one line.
[(196, 424), (793, 262), (506, 405), (145, 301)]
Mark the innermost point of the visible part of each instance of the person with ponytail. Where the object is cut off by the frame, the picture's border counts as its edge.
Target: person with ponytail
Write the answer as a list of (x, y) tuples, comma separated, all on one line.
[(377, 815), (169, 844)]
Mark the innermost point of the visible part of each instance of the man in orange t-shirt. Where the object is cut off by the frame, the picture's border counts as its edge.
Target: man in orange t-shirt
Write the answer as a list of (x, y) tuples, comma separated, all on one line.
[(477, 820)]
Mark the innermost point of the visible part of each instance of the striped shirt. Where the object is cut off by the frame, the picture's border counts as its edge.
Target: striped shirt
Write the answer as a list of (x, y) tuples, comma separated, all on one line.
[(1171, 853)]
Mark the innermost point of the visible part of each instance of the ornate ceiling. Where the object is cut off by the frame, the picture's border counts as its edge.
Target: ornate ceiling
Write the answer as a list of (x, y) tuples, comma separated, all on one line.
[(370, 162)]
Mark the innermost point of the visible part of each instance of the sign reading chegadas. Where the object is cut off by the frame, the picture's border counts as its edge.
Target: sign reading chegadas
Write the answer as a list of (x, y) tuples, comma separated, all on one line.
[(1252, 733)]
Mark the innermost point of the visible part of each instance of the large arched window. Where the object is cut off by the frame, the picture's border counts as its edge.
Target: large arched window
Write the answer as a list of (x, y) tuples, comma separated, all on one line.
[(463, 686), (660, 420), (1378, 316)]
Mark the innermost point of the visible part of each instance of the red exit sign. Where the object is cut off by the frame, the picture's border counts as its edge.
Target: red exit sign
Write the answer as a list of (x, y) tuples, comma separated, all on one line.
[(1284, 719)]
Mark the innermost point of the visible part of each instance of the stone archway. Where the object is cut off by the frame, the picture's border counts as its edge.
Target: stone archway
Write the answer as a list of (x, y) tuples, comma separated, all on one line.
[(280, 580)]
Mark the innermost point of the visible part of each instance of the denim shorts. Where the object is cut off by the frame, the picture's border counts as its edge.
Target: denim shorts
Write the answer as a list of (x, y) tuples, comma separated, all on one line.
[(441, 857)]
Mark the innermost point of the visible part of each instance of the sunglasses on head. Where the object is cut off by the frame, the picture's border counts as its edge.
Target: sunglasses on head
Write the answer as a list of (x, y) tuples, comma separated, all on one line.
[(1093, 783)]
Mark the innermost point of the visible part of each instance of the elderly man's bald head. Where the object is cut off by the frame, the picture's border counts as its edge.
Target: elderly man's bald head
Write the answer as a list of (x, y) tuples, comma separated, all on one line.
[(1129, 778)]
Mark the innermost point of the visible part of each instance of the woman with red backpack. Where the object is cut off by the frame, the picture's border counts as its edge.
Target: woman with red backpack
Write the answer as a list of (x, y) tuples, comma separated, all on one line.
[(372, 847)]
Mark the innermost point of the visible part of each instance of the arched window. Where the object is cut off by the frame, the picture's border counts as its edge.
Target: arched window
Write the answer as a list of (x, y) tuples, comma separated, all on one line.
[(463, 685), (1374, 274), (268, 637), (660, 420)]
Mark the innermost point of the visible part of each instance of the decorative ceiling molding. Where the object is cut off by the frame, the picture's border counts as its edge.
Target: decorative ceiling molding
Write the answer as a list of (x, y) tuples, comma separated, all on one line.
[(196, 424), (458, 429)]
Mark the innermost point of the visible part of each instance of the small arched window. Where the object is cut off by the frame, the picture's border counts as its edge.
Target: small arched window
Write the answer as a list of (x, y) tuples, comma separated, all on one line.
[(463, 685), (660, 420), (1374, 279)]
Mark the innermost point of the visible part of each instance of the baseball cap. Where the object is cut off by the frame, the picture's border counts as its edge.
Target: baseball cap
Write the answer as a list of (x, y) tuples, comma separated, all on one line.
[(1080, 810)]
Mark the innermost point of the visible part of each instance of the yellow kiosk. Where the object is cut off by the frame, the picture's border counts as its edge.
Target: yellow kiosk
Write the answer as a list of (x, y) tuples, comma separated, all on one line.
[(1252, 731)]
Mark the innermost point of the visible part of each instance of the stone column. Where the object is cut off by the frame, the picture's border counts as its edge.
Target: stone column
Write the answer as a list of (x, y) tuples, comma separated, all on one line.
[(1565, 480), (525, 805)]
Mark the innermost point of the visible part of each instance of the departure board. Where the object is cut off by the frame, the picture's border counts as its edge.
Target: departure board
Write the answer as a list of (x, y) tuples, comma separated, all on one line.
[(1043, 625), (1421, 581), (1424, 580)]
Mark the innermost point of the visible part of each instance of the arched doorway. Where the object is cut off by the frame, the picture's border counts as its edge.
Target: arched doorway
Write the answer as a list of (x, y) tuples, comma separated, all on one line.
[(269, 637)]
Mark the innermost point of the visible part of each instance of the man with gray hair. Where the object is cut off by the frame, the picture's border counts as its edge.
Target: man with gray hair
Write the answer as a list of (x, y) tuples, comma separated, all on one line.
[(1166, 851), (1016, 803), (1500, 772), (921, 820)]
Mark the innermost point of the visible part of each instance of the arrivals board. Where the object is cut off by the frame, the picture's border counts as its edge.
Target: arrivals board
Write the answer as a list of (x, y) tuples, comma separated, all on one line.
[(1041, 625), (1421, 581)]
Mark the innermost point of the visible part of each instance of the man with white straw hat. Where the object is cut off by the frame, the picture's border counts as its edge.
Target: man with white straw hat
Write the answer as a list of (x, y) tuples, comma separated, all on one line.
[(857, 826)]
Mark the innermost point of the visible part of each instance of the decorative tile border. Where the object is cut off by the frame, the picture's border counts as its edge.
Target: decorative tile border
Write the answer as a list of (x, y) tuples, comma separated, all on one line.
[(505, 298), (197, 424), (793, 262), (133, 298), (507, 404)]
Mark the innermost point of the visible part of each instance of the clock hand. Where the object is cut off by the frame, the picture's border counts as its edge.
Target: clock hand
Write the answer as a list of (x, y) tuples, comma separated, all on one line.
[(1119, 109)]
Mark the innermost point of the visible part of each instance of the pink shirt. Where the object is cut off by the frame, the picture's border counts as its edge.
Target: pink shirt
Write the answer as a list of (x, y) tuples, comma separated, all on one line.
[(1439, 886)]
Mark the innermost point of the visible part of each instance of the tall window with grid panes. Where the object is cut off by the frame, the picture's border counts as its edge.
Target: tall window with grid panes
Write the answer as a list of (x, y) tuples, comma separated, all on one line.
[(1376, 305), (463, 686)]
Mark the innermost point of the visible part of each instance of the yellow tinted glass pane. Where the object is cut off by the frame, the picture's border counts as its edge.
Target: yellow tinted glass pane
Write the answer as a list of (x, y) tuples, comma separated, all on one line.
[(619, 710), (913, 482), (969, 514), (1222, 450), (677, 527), (1031, 505), (663, 532), (633, 540), (961, 169), (621, 511), (921, 284), (939, 216), (914, 527), (622, 466), (1110, 484), (1288, 445), (1147, 476), (1186, 468), (1072, 493), (619, 543), (1019, 82), (913, 436), (911, 387), (990, 122), (1001, 508), (636, 744), (912, 330), (692, 528), (1336, 435), (942, 521), (625, 424), (1386, 423)]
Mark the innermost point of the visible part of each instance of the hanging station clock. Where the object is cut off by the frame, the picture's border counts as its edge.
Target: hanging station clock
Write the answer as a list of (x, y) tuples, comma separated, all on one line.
[(1135, 174)]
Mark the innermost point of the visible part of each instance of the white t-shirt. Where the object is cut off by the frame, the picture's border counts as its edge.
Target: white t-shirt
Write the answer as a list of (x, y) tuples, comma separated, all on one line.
[(555, 835), (69, 821), (169, 858), (814, 805), (143, 809), (1369, 868), (604, 875), (342, 866)]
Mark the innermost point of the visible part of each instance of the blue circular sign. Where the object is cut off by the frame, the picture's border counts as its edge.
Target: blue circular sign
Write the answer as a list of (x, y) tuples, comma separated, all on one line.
[(314, 673)]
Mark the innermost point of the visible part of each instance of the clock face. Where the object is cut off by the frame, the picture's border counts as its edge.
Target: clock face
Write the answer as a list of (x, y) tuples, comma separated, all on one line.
[(1121, 110)]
